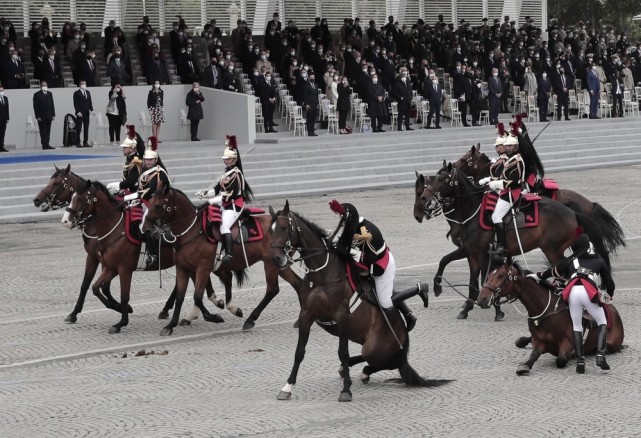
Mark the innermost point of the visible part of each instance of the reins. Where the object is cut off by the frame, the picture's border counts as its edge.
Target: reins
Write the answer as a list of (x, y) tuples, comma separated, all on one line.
[(288, 248)]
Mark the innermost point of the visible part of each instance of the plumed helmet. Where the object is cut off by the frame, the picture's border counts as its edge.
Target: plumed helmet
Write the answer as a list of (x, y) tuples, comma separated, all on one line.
[(129, 143), (500, 130), (152, 142), (231, 151), (348, 224), (150, 155), (511, 141)]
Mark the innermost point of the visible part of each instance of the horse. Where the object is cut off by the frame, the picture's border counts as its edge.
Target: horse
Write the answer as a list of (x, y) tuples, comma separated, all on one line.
[(57, 194), (461, 199), (548, 318), (325, 298), (172, 211), (476, 165)]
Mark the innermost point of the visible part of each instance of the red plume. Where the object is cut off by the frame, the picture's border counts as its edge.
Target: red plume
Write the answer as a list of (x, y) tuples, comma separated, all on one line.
[(514, 128), (336, 207), (518, 118), (131, 131), (153, 140), (231, 142), (579, 231), (500, 129)]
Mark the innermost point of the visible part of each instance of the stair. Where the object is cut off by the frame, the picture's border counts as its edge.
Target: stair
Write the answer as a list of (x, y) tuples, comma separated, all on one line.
[(281, 165)]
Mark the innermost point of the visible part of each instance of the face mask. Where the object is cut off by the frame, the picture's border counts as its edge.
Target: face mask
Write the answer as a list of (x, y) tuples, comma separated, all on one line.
[(83, 87), (263, 57), (375, 81), (196, 90), (304, 76), (268, 78), (230, 69), (344, 82), (2, 93), (45, 88), (320, 52), (156, 86), (255, 73), (117, 55), (365, 70), (336, 78), (14, 56), (221, 63), (544, 75), (52, 56), (495, 74)]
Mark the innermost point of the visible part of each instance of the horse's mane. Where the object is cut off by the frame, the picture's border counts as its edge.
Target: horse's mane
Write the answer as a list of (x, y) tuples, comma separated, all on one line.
[(59, 171), (418, 178), (100, 186), (519, 268), (316, 230), (183, 194)]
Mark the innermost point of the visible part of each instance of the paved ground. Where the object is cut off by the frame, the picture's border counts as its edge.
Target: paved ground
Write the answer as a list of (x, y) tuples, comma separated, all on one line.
[(215, 380)]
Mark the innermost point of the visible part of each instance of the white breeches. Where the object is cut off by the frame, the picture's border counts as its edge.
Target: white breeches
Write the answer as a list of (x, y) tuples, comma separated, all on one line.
[(385, 284), (501, 209), (229, 217), (144, 215), (577, 300)]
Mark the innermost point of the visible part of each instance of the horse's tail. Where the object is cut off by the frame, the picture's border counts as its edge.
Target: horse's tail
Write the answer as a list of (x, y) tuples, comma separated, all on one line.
[(409, 374), (612, 232), (241, 277), (596, 235)]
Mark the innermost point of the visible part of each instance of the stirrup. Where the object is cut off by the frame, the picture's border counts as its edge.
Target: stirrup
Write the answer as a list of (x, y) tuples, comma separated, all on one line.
[(151, 259), (601, 362), (580, 365), (227, 258)]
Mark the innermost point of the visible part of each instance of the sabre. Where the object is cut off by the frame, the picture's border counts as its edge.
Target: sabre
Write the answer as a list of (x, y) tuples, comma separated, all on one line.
[(214, 182), (541, 131)]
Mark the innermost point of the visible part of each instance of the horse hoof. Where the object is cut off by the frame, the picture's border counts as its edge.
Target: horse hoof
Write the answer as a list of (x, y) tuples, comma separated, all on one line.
[(114, 329), (296, 323), (214, 317), (166, 331), (438, 289), (130, 309), (522, 342), (71, 319), (364, 378), (184, 322), (284, 396), (249, 324), (499, 316), (462, 315), (561, 362), (163, 315), (239, 313), (220, 304), (345, 396), (522, 370)]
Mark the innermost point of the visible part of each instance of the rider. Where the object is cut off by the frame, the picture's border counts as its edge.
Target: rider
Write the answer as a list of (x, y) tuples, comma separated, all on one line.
[(363, 240), (584, 271), (530, 157), (506, 178), (133, 164), (232, 191)]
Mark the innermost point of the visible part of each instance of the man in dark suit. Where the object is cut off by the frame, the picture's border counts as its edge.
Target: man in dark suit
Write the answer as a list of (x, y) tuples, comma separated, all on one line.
[(83, 107), (13, 72), (116, 69), (45, 112), (195, 114), (495, 93), (310, 102), (433, 92), (212, 75), (561, 84), (593, 86), (87, 69), (189, 69), (402, 94), (543, 92), (275, 23), (4, 117), (459, 92), (267, 93), (51, 72)]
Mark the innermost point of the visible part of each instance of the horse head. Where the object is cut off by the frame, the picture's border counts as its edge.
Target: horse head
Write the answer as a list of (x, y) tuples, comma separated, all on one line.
[(162, 208), (282, 234), (58, 191), (420, 209), (82, 205), (441, 187), (501, 282)]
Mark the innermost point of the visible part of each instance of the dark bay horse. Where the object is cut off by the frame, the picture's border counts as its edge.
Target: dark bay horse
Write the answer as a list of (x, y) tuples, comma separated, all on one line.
[(57, 194), (195, 255), (460, 200), (548, 318), (325, 297)]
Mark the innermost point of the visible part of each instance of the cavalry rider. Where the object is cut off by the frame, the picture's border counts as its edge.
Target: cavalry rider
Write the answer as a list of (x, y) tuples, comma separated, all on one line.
[(506, 178), (232, 191), (584, 271), (530, 157), (361, 239), (132, 167)]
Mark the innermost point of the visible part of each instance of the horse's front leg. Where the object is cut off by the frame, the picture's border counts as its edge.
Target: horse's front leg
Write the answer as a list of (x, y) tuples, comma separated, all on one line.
[(211, 295), (91, 266), (343, 355), (457, 254), (96, 288), (473, 289), (125, 286), (200, 283), (182, 280), (306, 319), (271, 276), (164, 313), (525, 367)]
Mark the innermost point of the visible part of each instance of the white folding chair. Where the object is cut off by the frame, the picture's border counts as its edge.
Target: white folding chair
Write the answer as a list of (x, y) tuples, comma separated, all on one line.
[(456, 114), (258, 115), (101, 126), (394, 111), (332, 119), (183, 125), (532, 109), (31, 128), (300, 123), (145, 123)]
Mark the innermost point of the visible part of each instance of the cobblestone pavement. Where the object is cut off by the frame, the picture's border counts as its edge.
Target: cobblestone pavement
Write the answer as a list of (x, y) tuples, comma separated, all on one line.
[(60, 379)]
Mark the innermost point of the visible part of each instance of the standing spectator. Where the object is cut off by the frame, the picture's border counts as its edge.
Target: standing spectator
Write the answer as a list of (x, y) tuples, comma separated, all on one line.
[(189, 69), (45, 112), (4, 117), (212, 75), (376, 108), (560, 83), (529, 82), (592, 82), (331, 89), (195, 111), (228, 79), (155, 101), (544, 92), (343, 104), (87, 69), (116, 69), (13, 72), (402, 93), (495, 88), (310, 102), (434, 93), (617, 93), (266, 91), (476, 95), (83, 107), (51, 71), (116, 112), (78, 57), (156, 70)]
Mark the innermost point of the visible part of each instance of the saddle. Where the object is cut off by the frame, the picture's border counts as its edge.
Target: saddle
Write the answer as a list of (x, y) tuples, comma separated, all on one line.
[(361, 285), (247, 226), (526, 209), (133, 217), (547, 188)]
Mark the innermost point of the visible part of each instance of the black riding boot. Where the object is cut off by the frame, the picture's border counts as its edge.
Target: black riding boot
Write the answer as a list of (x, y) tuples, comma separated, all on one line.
[(410, 319), (421, 289), (152, 251), (578, 347), (227, 243), (499, 231), (600, 347), (392, 315)]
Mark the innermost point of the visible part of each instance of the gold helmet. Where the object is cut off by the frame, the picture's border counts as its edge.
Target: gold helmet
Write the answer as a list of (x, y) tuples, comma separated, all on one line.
[(502, 135), (129, 143), (231, 151), (150, 150)]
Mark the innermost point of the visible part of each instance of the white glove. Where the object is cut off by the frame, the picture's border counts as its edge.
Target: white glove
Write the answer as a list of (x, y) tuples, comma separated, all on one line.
[(485, 180), (534, 276), (496, 185), (132, 196), (113, 187), (201, 193), (216, 200), (356, 254)]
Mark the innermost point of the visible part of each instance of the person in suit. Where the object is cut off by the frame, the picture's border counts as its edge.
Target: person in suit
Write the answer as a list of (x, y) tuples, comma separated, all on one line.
[(343, 104), (266, 91), (618, 87), (433, 92), (116, 112), (195, 111), (310, 102), (274, 23), (560, 85), (495, 93), (45, 112), (13, 72), (212, 75), (593, 85), (156, 70), (50, 70), (459, 91), (83, 107), (402, 93), (4, 117), (116, 69), (544, 91), (87, 69), (376, 109)]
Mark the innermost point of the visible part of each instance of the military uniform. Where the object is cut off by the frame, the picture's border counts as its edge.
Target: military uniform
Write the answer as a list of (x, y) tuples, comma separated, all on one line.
[(149, 178), (131, 173)]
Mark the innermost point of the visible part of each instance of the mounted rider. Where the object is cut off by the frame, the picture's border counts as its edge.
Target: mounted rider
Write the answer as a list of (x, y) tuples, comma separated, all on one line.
[(506, 178), (360, 238), (533, 163), (133, 149), (232, 191), (583, 274)]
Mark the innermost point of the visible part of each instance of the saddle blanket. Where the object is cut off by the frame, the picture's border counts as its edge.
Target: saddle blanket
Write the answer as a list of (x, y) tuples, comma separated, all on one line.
[(526, 208)]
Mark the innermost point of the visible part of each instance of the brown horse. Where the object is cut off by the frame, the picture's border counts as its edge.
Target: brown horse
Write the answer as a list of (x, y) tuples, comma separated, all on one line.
[(195, 255), (548, 315), (325, 298), (57, 194), (460, 200), (476, 165)]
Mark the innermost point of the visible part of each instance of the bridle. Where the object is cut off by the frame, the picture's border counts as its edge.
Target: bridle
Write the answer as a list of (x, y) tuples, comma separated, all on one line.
[(451, 180), (80, 222), (293, 229), (50, 200), (162, 225)]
